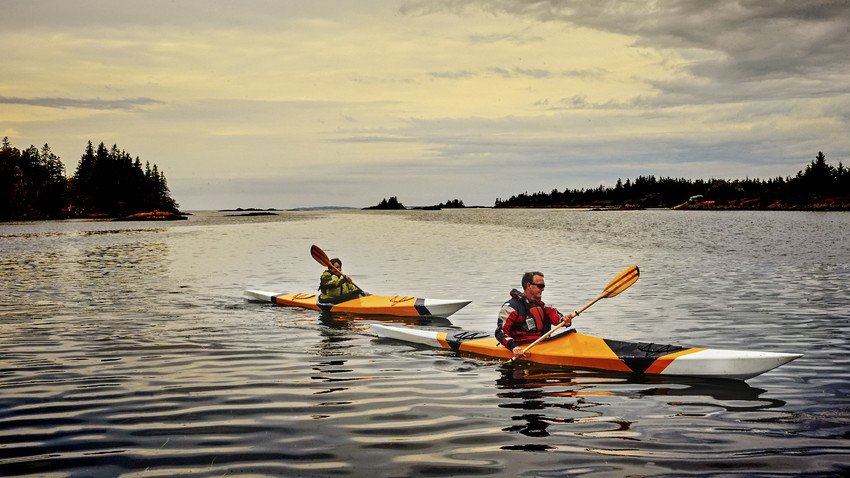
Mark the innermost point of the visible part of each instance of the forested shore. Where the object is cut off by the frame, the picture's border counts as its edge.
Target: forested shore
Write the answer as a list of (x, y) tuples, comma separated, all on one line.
[(820, 186), (107, 183)]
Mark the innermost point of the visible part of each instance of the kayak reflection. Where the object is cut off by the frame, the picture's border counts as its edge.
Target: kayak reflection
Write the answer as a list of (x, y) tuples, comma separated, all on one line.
[(348, 321), (529, 380), (596, 404)]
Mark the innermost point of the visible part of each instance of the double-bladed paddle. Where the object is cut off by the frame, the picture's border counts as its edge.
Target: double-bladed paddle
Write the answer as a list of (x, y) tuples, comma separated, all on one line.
[(322, 259), (620, 283)]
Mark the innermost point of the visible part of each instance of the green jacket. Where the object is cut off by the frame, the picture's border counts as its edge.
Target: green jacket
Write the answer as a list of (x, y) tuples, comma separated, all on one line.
[(337, 289)]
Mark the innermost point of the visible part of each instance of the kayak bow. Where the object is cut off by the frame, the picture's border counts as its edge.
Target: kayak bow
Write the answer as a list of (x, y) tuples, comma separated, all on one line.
[(572, 349), (371, 304)]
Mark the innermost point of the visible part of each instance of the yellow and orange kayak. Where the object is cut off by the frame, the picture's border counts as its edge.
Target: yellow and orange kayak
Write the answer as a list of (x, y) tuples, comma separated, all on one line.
[(572, 349), (397, 305)]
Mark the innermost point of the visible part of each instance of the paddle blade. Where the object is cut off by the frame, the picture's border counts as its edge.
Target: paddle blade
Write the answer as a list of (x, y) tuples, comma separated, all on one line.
[(320, 256), (622, 282)]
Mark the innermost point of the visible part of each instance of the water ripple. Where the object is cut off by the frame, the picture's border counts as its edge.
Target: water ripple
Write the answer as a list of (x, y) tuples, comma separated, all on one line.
[(129, 351)]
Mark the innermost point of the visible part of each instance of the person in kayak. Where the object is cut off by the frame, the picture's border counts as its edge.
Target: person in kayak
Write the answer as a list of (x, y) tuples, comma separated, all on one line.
[(337, 287), (525, 318)]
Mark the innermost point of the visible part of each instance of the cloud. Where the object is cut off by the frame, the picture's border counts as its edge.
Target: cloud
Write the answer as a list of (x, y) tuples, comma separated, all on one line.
[(453, 75), (517, 38), (94, 104), (746, 50)]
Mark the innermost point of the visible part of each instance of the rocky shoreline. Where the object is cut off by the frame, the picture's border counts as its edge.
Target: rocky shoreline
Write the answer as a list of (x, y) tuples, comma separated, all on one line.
[(841, 203)]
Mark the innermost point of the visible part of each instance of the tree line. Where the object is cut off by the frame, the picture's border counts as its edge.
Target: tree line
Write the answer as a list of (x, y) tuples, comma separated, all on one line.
[(820, 186), (393, 203), (107, 182)]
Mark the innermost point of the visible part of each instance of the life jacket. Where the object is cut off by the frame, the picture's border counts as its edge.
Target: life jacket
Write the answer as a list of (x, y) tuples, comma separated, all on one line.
[(340, 292), (532, 313)]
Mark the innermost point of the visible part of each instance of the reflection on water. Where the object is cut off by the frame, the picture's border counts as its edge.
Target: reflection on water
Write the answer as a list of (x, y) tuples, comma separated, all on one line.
[(548, 399), (128, 349), (348, 321)]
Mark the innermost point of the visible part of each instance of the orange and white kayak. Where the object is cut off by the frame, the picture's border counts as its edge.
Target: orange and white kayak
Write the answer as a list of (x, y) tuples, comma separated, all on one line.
[(397, 305), (572, 349)]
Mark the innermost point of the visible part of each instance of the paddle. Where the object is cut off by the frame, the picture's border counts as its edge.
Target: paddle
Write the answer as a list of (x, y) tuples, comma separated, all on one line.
[(322, 259), (620, 283)]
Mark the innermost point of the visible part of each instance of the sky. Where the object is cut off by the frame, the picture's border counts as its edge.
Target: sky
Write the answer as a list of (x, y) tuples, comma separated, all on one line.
[(286, 104)]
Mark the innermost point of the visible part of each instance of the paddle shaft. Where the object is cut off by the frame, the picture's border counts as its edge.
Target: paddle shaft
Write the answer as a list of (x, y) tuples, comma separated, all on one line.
[(323, 259), (532, 344)]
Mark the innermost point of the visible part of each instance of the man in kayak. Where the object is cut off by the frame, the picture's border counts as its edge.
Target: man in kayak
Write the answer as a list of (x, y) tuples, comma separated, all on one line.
[(525, 318), (336, 287)]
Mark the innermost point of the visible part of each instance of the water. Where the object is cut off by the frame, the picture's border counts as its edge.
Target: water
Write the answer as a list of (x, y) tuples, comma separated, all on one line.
[(127, 349)]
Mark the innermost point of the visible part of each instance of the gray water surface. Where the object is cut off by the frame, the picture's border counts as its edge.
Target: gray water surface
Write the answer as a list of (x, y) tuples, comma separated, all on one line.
[(127, 349)]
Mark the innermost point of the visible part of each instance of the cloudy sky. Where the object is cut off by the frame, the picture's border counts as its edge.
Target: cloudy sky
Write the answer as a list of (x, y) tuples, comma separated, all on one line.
[(266, 103)]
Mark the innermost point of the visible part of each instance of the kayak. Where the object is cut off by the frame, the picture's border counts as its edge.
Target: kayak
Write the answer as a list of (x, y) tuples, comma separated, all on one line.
[(370, 305), (572, 349)]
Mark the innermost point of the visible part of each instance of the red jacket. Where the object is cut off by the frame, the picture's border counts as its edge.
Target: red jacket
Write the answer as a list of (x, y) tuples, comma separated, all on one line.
[(521, 320)]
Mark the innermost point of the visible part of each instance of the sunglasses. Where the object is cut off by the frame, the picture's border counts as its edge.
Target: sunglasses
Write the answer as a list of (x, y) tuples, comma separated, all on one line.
[(539, 286)]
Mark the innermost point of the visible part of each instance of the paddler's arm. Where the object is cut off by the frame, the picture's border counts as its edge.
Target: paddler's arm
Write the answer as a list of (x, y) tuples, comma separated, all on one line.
[(556, 318), (507, 316), (515, 349)]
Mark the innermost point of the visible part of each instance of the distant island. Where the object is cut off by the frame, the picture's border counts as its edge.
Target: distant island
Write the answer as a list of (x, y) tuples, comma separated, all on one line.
[(820, 187), (451, 204), (393, 203), (107, 183), (249, 209), (251, 212), (387, 204)]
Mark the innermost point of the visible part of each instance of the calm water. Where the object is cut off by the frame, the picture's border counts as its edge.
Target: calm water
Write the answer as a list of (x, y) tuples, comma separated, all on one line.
[(126, 349)]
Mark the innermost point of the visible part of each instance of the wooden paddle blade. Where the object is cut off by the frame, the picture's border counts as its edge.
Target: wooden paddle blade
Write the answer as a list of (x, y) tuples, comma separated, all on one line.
[(320, 256), (622, 282)]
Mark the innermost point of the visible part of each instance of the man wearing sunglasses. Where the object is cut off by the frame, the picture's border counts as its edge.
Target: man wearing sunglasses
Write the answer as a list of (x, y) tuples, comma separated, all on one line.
[(525, 318)]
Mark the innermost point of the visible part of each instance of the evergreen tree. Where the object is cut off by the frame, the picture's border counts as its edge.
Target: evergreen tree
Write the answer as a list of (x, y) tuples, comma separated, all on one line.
[(110, 182), (32, 182), (9, 179)]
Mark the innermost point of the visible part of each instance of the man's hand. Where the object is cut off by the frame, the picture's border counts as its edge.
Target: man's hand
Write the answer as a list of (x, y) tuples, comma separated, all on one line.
[(568, 319), (518, 352)]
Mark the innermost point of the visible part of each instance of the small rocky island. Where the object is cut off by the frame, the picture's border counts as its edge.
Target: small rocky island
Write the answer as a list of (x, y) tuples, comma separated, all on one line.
[(387, 204)]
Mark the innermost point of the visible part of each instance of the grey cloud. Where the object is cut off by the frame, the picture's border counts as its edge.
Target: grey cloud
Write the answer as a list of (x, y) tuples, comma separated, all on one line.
[(593, 73), (520, 72), (95, 104), (742, 42), (580, 102), (499, 71), (532, 72), (520, 38), (454, 75)]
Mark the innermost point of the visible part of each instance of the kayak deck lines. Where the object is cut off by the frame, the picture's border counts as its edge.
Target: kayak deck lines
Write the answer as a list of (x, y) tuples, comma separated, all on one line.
[(573, 349), (397, 305)]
